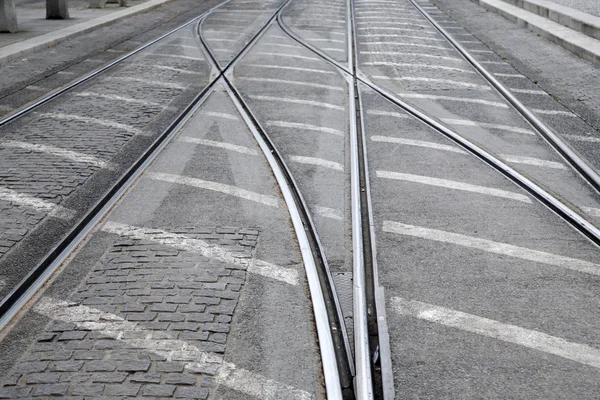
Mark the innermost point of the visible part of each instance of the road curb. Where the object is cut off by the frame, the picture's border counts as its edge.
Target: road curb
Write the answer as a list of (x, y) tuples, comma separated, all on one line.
[(17, 50), (576, 42)]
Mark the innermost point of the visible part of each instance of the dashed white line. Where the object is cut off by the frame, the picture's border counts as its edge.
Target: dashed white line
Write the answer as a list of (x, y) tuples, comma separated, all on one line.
[(288, 82), (311, 70), (263, 53), (222, 145), (493, 247), (297, 101), (308, 127), (464, 122), (176, 56), (118, 98), (168, 347), (554, 112), (223, 115), (319, 162), (594, 212), (387, 114), (533, 161), (428, 46), (268, 200), (433, 80), (414, 65), (379, 35), (528, 91), (393, 26), (327, 212), (168, 85), (292, 46), (26, 200), (450, 98), (181, 71), (580, 138), (418, 143), (536, 340), (57, 151), (510, 75), (448, 184), (90, 120), (399, 53), (325, 40), (183, 242)]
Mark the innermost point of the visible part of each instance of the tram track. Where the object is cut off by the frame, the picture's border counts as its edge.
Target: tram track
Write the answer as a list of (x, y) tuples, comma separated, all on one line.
[(336, 357)]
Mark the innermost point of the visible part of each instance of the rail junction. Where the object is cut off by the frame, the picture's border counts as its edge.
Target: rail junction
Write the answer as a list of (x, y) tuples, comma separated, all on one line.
[(299, 199)]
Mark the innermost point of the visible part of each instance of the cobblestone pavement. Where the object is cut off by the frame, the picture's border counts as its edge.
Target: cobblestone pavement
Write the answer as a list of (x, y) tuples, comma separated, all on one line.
[(148, 321), (45, 157)]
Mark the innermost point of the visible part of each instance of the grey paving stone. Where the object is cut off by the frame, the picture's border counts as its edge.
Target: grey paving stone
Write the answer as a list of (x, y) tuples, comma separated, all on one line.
[(145, 378), (42, 378), (67, 366), (109, 377), (54, 389), (191, 393), (27, 367), (169, 367), (122, 390), (180, 379), (15, 392), (135, 366), (158, 390), (88, 390), (100, 366)]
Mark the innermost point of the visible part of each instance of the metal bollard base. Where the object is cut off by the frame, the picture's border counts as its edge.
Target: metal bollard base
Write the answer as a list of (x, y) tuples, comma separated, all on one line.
[(8, 16), (57, 9)]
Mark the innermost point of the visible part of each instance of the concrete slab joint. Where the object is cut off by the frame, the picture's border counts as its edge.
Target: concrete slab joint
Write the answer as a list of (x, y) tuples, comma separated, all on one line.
[(8, 16), (57, 9)]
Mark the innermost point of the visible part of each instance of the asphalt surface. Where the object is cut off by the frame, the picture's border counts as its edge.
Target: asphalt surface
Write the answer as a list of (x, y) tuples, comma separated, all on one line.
[(194, 285)]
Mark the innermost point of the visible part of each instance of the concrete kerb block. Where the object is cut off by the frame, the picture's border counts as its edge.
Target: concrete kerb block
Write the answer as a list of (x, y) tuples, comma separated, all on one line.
[(8, 16), (57, 9)]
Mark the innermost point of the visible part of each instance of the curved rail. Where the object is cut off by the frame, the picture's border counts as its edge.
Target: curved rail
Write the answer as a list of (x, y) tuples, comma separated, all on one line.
[(57, 92), (580, 165), (540, 194), (335, 349)]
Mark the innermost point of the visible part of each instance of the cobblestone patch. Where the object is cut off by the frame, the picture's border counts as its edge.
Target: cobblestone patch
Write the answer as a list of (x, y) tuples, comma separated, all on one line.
[(15, 223), (149, 321)]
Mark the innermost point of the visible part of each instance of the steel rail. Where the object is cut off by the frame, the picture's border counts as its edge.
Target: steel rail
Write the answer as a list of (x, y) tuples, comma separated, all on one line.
[(18, 297), (57, 92), (553, 203), (337, 369), (577, 162)]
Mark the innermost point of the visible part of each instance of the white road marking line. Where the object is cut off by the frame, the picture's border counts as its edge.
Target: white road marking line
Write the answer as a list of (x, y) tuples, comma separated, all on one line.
[(319, 162), (292, 46), (311, 70), (90, 120), (224, 40), (532, 161), (594, 212), (181, 71), (528, 91), (554, 112), (580, 138), (263, 53), (399, 53), (223, 115), (222, 145), (470, 41), (288, 82), (325, 40), (329, 32), (367, 19), (433, 80), (297, 101), (327, 212), (308, 127), (379, 35), (429, 66), (57, 151), (183, 242), (510, 75), (467, 187), (168, 85), (37, 88), (396, 24), (66, 73), (395, 28), (418, 143), (481, 51), (428, 46), (26, 200), (536, 340), (6, 108), (118, 98), (268, 200), (464, 122), (176, 56), (387, 113), (114, 51), (493, 247), (222, 50), (195, 360), (450, 98), (333, 49), (183, 46)]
